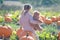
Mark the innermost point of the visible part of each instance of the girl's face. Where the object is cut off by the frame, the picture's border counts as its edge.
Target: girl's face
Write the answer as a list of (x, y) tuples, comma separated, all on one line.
[(36, 15)]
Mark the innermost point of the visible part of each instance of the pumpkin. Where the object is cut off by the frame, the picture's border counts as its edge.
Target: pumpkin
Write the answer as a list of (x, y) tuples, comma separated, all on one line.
[(47, 21), (8, 19), (19, 32), (58, 23), (43, 17), (26, 38), (5, 31), (54, 19), (8, 15), (59, 36), (29, 33), (58, 18)]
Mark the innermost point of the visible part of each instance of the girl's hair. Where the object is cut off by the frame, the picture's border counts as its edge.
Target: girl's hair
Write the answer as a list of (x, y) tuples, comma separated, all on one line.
[(36, 11), (27, 7)]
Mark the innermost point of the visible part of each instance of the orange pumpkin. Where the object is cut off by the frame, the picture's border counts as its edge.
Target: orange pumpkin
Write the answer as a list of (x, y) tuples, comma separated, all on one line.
[(47, 21), (58, 23), (5, 30), (8, 15), (43, 17), (58, 18), (26, 38), (8, 19), (59, 36), (54, 19), (29, 33), (19, 32)]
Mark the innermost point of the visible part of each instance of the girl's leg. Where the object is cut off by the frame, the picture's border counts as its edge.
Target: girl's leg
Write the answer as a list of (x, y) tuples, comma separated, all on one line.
[(36, 36)]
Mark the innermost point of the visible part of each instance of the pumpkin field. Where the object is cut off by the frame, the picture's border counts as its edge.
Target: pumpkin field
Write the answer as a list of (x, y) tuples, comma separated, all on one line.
[(10, 13), (9, 25)]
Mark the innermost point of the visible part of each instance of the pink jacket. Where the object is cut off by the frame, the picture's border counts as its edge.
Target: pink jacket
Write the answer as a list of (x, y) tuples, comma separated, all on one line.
[(25, 21)]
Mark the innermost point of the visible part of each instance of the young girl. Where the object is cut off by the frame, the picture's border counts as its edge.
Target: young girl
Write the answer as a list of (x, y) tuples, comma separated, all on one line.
[(26, 18), (36, 17)]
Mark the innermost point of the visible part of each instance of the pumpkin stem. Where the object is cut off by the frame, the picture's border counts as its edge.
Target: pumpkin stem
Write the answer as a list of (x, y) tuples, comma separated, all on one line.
[(27, 34), (20, 27)]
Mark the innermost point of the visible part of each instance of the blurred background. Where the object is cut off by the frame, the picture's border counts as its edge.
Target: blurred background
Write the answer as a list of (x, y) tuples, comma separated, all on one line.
[(37, 4)]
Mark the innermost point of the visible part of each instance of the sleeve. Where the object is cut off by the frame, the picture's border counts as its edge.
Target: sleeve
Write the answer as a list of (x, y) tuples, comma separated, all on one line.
[(33, 21)]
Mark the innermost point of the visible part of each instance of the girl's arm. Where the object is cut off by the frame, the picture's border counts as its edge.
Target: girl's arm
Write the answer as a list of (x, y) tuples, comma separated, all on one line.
[(36, 23), (33, 21)]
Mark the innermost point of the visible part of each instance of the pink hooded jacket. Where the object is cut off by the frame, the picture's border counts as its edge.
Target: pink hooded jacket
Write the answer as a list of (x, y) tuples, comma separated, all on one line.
[(25, 21)]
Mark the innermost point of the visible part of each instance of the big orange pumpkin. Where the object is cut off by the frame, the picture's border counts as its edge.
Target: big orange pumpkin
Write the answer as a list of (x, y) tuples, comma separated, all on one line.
[(5, 31), (58, 23), (58, 18), (29, 33), (47, 21), (43, 17), (19, 32), (26, 38), (8, 19), (54, 18)]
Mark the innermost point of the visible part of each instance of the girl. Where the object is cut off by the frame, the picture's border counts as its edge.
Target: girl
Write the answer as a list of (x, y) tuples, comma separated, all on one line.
[(26, 18), (36, 17)]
